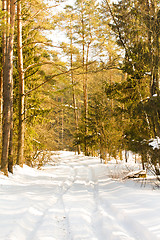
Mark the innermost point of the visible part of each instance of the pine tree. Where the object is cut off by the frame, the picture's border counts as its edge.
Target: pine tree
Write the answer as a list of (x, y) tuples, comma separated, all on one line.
[(135, 24), (20, 150), (8, 89)]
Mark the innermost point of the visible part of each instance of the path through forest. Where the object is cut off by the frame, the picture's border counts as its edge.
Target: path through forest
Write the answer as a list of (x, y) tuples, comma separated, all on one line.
[(75, 200)]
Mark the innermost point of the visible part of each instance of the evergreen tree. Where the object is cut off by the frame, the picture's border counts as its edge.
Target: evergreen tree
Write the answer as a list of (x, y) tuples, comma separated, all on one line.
[(135, 24), (7, 124), (20, 150)]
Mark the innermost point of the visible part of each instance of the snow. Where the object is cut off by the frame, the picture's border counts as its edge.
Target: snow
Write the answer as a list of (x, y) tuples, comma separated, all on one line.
[(74, 198), (155, 143)]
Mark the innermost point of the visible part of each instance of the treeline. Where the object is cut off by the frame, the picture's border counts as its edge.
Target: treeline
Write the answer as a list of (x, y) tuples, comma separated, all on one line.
[(26, 64), (136, 25), (95, 90)]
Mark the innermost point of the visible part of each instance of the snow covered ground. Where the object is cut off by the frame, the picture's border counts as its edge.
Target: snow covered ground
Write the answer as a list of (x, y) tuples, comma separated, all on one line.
[(76, 200)]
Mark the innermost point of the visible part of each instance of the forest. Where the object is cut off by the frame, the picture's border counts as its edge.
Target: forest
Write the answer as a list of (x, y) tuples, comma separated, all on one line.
[(80, 77)]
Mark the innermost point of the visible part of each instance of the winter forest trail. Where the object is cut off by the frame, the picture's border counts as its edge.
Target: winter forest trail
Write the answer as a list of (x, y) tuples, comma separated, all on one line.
[(75, 200)]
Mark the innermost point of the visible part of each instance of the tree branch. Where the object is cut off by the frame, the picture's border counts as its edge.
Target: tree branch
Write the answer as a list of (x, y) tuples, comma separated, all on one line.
[(41, 64), (45, 43), (55, 75), (119, 32)]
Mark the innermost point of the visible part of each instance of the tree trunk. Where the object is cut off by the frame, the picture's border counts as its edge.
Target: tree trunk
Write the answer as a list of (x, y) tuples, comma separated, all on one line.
[(84, 79), (62, 122), (7, 85), (3, 55), (73, 90), (84, 91), (153, 44), (10, 153), (21, 129), (143, 159)]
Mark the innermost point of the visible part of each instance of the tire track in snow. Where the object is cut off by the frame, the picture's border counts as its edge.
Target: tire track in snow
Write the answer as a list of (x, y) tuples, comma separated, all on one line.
[(105, 225), (102, 226), (113, 224), (27, 222), (129, 228), (79, 204), (47, 222), (84, 207), (50, 213)]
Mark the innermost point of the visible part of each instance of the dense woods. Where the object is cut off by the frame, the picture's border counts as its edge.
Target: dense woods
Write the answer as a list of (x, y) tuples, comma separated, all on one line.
[(82, 77)]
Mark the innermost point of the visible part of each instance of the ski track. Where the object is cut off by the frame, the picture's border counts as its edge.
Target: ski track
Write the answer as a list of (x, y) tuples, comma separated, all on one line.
[(73, 201)]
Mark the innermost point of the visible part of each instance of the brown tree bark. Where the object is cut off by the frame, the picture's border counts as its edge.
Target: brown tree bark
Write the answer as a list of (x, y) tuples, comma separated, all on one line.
[(21, 129), (7, 85), (4, 9), (153, 44), (3, 55), (73, 86), (85, 100)]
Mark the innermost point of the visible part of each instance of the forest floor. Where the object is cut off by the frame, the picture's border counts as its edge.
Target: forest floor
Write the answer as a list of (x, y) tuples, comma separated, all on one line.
[(75, 198)]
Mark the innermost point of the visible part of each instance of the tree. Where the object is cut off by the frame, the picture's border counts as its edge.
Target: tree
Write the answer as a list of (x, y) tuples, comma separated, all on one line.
[(140, 42), (71, 51), (135, 24), (30, 49), (20, 150), (8, 87)]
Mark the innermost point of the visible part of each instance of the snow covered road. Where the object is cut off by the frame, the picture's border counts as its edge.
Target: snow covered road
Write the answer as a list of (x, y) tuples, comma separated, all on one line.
[(76, 200)]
